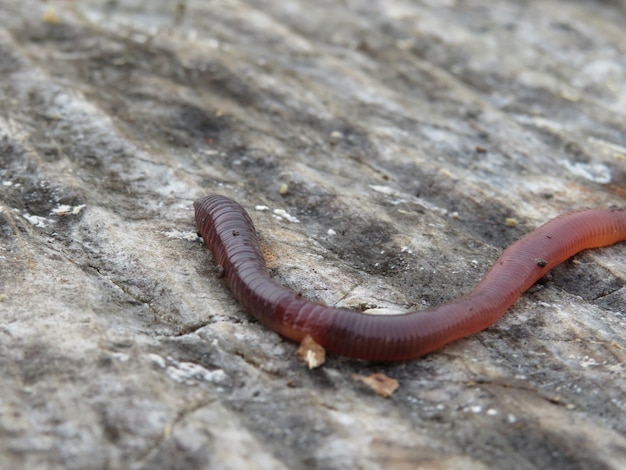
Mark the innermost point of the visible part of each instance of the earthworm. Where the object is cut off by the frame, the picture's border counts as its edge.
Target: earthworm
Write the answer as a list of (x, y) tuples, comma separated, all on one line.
[(229, 233)]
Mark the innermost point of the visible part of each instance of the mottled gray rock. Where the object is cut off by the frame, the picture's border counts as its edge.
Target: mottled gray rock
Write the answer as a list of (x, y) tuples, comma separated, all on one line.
[(402, 134)]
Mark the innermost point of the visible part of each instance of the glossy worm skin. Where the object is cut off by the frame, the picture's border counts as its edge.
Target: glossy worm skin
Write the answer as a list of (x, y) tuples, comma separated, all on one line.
[(227, 229)]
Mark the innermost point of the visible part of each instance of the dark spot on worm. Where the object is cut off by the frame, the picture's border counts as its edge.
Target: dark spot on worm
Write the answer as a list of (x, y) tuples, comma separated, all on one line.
[(549, 237), (199, 234), (235, 233), (542, 263)]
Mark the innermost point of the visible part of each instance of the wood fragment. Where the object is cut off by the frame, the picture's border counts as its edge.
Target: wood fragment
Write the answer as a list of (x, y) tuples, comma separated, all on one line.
[(311, 353), (381, 384)]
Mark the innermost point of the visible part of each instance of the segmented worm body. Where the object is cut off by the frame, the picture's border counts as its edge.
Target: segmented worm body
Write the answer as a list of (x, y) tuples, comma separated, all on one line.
[(229, 233)]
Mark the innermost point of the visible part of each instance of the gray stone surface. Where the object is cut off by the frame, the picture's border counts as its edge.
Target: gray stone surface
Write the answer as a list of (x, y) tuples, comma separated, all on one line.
[(412, 129)]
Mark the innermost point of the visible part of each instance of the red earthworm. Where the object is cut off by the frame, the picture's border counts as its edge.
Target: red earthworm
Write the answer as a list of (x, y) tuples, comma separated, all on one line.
[(229, 233)]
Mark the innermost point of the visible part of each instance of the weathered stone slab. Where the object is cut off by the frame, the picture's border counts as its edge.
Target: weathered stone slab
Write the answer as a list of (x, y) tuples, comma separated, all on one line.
[(397, 137)]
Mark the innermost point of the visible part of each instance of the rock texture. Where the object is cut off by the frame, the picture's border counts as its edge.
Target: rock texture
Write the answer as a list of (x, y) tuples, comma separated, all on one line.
[(389, 142)]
